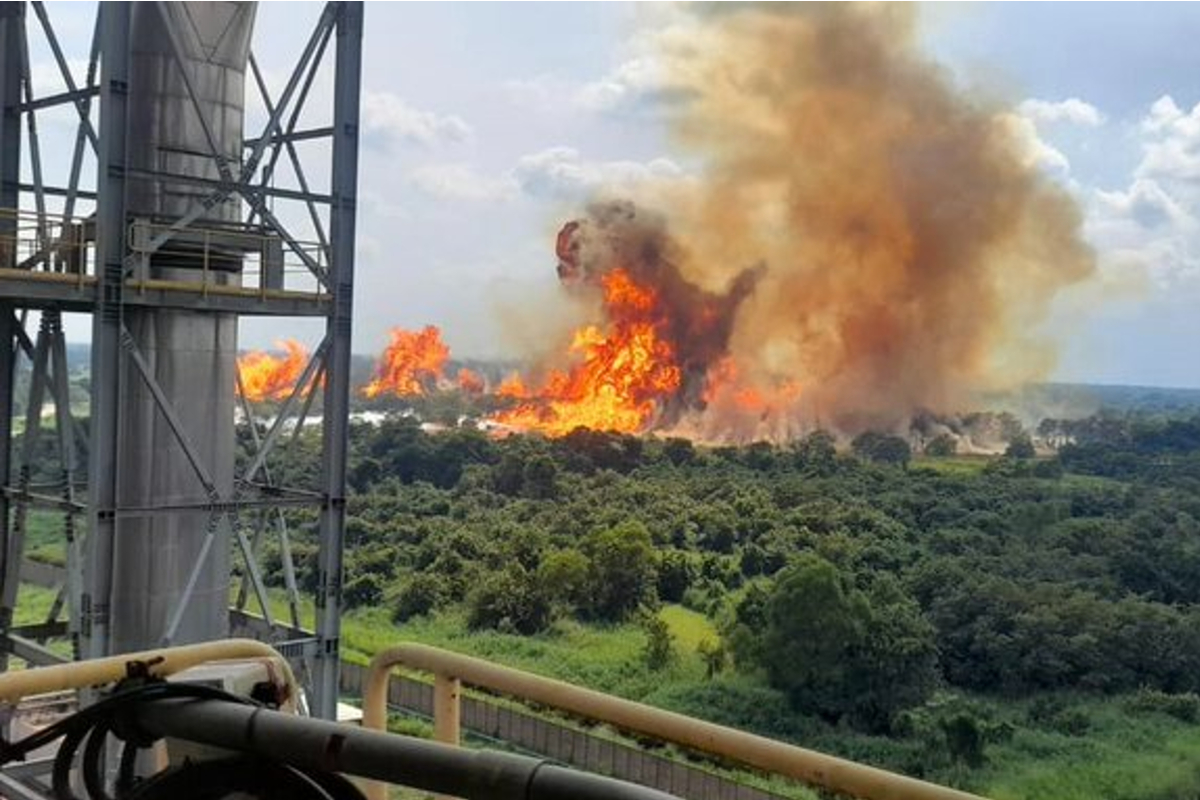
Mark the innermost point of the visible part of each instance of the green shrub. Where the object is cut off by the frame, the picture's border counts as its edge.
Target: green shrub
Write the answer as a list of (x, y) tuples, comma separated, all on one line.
[(837, 651), (1053, 712), (659, 650), (510, 601), (1185, 706), (420, 593)]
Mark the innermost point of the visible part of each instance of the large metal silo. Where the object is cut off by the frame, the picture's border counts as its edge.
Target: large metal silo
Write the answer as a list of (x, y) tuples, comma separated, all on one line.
[(192, 355)]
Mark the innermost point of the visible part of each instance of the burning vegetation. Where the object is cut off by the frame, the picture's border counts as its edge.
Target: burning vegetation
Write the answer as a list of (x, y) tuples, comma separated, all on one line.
[(647, 360), (412, 363), (266, 376), (864, 243)]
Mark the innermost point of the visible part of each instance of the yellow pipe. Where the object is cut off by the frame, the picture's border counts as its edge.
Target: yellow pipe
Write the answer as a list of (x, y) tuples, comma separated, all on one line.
[(192, 287), (809, 766), (39, 276), (446, 716), (78, 674)]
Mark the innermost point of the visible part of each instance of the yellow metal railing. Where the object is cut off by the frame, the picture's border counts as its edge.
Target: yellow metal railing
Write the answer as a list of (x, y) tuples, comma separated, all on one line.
[(96, 672), (206, 245), (49, 242), (53, 243), (451, 670)]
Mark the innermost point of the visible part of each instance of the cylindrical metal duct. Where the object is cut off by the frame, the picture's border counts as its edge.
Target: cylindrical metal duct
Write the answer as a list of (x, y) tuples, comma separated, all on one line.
[(166, 130), (192, 355)]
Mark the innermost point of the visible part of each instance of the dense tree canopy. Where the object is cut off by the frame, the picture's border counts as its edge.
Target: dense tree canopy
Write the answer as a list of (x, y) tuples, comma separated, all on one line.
[(852, 586)]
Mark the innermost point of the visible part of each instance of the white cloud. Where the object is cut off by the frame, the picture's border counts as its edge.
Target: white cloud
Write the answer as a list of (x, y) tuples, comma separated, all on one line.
[(655, 69), (461, 182), (1147, 204), (1168, 253), (1171, 150), (1154, 223), (559, 172), (633, 86), (1163, 114), (556, 173), (1072, 110), (383, 113), (639, 80), (1033, 150)]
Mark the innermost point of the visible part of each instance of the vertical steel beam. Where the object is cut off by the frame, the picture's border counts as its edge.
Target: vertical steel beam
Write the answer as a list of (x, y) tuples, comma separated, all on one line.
[(65, 424), (335, 431), (19, 518), (8, 323), (106, 327), (12, 32), (12, 45)]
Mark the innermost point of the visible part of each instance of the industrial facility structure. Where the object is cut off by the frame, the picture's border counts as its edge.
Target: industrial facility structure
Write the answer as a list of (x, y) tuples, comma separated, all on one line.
[(186, 226)]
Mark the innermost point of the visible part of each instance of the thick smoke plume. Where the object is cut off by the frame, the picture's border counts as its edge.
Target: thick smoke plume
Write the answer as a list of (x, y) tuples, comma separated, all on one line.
[(694, 324), (910, 246)]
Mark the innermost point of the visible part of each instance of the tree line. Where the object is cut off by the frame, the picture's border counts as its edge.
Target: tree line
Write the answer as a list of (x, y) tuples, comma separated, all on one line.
[(856, 582)]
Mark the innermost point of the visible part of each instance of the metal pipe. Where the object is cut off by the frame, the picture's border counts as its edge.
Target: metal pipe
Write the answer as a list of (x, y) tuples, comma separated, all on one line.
[(77, 675), (809, 766), (327, 746)]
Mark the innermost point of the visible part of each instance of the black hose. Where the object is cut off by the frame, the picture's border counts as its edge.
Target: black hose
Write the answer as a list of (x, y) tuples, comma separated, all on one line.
[(61, 776), (94, 724), (92, 766), (125, 773), (112, 707)]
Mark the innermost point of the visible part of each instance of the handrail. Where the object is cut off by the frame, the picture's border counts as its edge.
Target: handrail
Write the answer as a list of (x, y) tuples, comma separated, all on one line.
[(81, 674), (312, 744), (408, 761), (808, 766)]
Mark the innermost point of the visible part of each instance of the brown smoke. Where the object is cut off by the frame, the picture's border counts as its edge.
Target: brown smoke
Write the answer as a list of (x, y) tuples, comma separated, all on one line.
[(911, 247), (694, 324)]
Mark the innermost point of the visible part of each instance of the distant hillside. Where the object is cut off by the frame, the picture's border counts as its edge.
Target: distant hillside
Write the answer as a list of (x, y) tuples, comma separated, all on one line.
[(1070, 400)]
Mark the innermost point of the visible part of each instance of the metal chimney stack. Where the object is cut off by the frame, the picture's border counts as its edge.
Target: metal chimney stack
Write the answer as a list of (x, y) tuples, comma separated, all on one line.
[(192, 354), (189, 226)]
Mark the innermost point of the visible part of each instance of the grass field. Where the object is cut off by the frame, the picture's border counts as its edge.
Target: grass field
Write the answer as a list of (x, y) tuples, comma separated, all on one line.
[(964, 465), (689, 628), (1123, 756)]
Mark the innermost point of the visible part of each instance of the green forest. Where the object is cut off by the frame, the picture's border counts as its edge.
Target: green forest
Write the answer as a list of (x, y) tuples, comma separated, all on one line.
[(1021, 625)]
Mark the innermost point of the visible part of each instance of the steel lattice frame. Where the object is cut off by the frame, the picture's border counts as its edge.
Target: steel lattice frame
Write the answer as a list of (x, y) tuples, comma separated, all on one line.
[(54, 278)]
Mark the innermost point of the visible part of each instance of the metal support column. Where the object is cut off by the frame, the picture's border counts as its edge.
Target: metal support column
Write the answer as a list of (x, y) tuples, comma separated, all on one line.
[(12, 35), (335, 432), (12, 31), (10, 555), (107, 327)]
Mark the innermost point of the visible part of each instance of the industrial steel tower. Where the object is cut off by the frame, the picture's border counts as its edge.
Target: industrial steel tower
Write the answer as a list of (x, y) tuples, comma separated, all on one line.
[(189, 225)]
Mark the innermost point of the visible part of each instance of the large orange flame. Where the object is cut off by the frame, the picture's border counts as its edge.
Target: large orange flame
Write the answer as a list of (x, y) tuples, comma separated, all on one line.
[(621, 374), (412, 363), (267, 376)]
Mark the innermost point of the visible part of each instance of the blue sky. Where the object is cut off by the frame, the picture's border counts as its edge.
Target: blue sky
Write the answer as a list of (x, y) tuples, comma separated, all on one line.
[(486, 125)]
